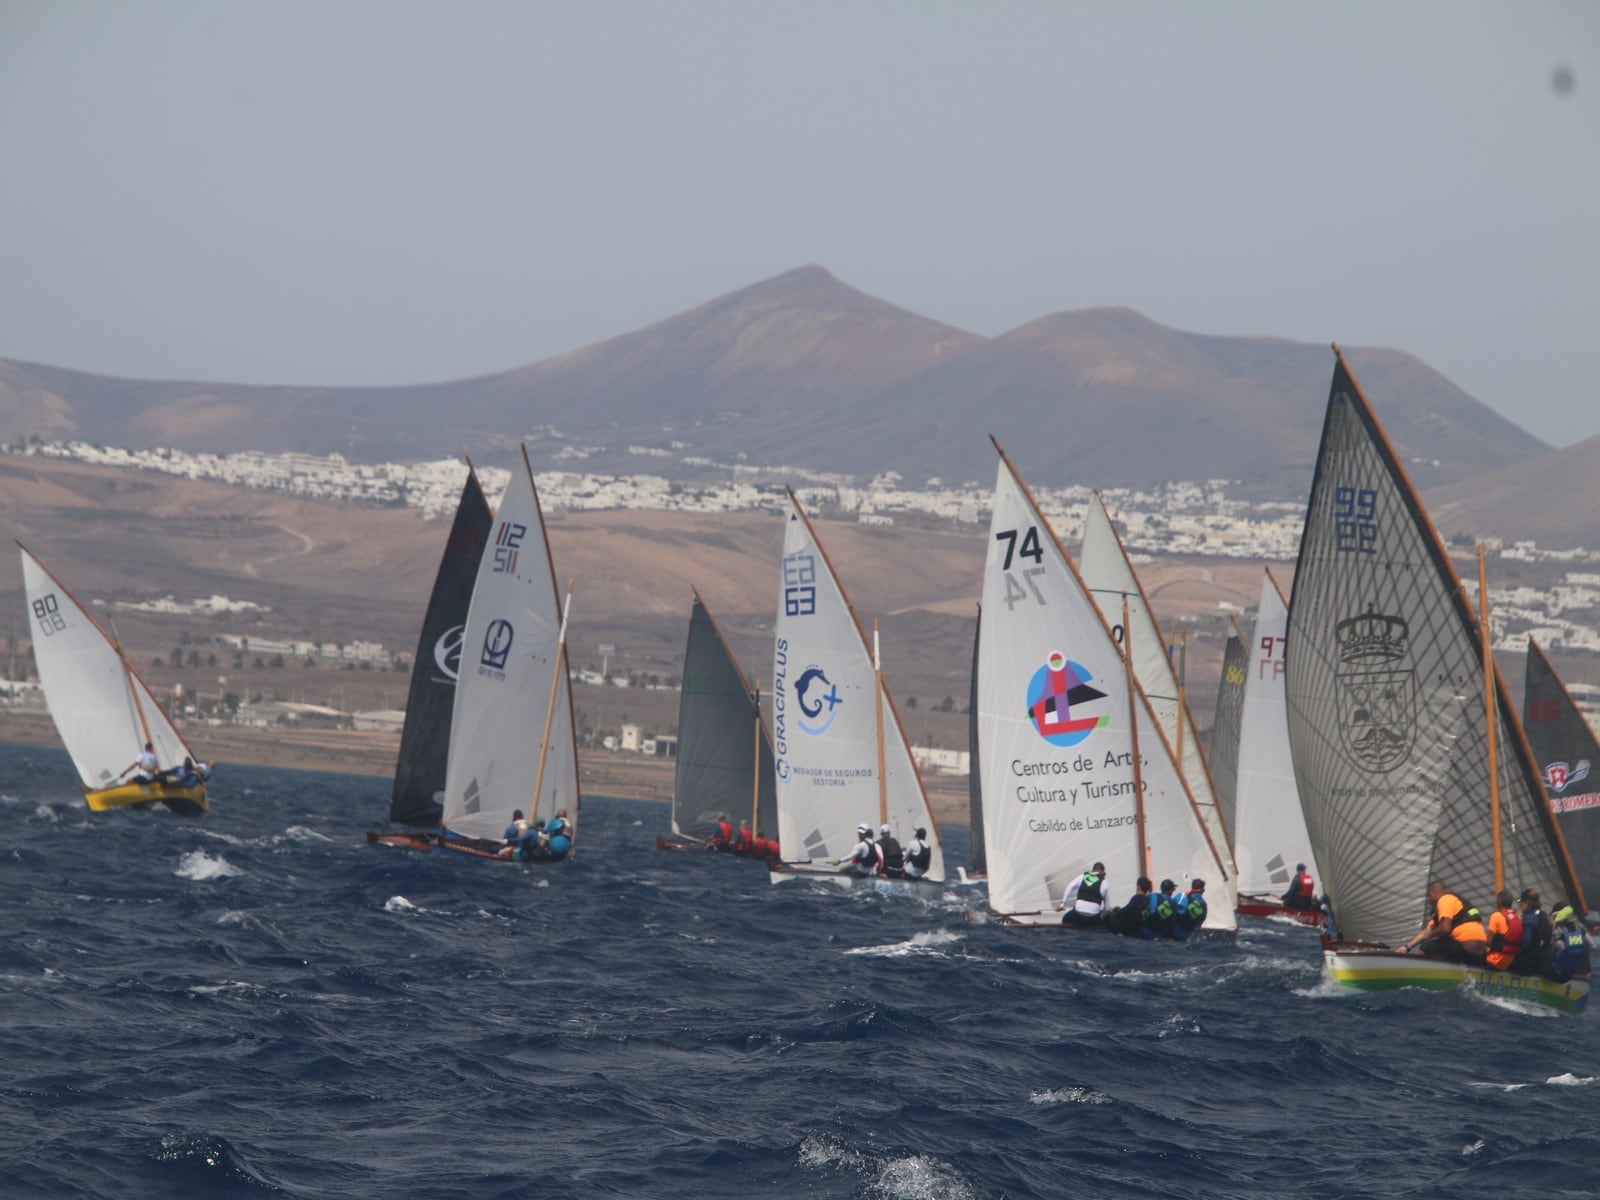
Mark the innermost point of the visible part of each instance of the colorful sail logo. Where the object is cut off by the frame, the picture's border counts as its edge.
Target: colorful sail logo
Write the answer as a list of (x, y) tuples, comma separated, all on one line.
[(819, 700), (1053, 692)]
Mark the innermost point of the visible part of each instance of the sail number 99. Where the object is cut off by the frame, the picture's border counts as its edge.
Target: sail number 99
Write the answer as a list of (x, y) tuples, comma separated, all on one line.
[(1029, 548)]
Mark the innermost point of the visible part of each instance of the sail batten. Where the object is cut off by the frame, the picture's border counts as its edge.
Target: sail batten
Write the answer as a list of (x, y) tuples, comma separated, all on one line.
[(1385, 693)]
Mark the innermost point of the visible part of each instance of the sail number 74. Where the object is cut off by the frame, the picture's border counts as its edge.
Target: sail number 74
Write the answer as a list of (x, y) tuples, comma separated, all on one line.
[(1029, 548)]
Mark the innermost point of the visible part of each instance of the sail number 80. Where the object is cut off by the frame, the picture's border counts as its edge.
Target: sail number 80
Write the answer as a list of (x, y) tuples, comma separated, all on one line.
[(47, 612), (1029, 547)]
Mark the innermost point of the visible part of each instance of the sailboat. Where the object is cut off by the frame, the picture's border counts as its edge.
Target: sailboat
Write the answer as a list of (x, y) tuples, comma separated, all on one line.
[(1568, 757), (513, 740), (418, 797), (841, 755), (1075, 766), (1410, 759), (1223, 755), (1109, 575), (1269, 830), (724, 763), (104, 712)]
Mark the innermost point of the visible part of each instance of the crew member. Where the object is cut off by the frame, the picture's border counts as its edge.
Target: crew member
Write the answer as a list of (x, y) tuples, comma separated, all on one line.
[(1454, 930), (1505, 932), (918, 854), (1302, 893), (1084, 901), (1191, 912), (894, 858), (866, 858)]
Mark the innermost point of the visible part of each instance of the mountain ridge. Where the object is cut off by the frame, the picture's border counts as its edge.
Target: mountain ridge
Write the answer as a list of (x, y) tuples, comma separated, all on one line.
[(804, 371)]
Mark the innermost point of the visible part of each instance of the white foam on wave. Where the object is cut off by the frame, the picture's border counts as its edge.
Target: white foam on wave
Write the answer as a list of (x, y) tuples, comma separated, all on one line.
[(1566, 1079), (399, 904), (199, 865), (46, 812), (932, 942), (226, 838), (914, 1177), (233, 916), (1068, 1095), (821, 1151), (299, 833)]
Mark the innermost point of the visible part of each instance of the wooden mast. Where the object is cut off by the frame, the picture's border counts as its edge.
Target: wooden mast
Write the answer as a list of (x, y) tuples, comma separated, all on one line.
[(550, 709), (1491, 723), (755, 770), (877, 698), (1133, 735)]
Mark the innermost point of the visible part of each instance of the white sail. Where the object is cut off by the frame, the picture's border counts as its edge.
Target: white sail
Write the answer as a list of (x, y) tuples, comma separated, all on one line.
[(1270, 836), (102, 709), (825, 727), (512, 664), (1056, 738), (1110, 579)]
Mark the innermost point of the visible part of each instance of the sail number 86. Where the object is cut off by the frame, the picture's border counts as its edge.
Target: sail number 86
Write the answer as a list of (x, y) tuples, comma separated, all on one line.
[(1028, 548)]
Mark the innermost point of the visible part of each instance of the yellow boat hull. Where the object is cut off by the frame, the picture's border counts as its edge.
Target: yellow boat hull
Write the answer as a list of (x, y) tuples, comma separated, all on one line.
[(1382, 971), (185, 801)]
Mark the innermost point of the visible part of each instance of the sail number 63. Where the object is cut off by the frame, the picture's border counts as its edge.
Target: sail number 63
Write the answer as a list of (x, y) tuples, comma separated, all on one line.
[(1029, 548)]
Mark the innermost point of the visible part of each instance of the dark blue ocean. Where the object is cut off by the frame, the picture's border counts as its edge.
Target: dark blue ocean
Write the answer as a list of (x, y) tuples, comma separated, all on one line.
[(260, 1004)]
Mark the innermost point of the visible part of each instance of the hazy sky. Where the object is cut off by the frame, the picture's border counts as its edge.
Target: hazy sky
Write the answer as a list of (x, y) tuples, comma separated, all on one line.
[(385, 192)]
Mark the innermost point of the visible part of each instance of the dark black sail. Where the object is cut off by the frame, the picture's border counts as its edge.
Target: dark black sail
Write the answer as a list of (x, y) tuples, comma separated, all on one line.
[(1568, 756), (720, 768), (980, 861), (425, 740)]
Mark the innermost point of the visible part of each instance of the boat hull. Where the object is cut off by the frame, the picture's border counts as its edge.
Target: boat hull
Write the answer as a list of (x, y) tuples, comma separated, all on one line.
[(185, 801), (432, 843), (676, 843), (1384, 970), (845, 881), (1255, 906)]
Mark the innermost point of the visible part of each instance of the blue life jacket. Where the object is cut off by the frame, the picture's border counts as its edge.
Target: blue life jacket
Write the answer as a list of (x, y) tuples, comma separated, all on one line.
[(1158, 916), (1571, 952)]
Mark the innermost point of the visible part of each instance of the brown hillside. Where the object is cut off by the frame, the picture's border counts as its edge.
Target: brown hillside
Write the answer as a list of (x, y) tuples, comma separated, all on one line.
[(805, 373)]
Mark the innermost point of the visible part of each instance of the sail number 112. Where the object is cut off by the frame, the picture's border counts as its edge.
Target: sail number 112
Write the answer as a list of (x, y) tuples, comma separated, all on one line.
[(1029, 548)]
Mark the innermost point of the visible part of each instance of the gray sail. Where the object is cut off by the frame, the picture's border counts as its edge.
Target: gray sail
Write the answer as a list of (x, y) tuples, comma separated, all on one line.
[(1386, 708), (1225, 727), (425, 740), (980, 859), (1568, 756), (719, 724)]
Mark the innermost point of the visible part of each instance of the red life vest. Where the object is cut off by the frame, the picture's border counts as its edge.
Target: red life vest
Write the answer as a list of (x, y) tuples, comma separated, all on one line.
[(1304, 885), (723, 834)]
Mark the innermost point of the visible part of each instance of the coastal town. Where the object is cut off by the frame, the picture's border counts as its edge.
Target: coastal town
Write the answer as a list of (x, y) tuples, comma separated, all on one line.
[(1179, 519)]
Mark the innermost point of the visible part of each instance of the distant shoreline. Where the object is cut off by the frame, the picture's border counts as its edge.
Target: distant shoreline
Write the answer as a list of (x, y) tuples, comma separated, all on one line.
[(602, 772)]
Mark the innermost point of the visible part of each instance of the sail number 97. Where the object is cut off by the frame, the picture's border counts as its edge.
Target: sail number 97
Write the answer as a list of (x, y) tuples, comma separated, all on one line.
[(1030, 548)]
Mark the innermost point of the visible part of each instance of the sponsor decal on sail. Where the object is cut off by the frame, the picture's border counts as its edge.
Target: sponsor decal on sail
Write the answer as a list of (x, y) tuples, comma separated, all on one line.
[(1377, 689), (1055, 687)]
